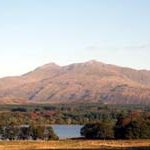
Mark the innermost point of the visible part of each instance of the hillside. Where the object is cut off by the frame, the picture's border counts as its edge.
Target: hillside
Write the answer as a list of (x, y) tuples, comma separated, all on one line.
[(91, 81)]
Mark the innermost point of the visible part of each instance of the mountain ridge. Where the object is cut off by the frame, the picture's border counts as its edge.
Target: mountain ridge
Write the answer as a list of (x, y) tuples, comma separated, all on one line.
[(92, 81)]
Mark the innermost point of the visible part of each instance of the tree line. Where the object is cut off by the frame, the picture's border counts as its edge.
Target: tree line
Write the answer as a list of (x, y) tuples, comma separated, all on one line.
[(134, 126), (27, 132), (131, 127)]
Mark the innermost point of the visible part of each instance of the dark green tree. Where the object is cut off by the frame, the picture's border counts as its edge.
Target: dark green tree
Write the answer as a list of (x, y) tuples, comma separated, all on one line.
[(37, 132), (49, 134), (133, 130), (10, 132), (24, 133), (101, 130)]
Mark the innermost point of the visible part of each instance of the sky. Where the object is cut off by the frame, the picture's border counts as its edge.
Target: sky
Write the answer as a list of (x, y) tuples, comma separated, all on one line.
[(37, 32)]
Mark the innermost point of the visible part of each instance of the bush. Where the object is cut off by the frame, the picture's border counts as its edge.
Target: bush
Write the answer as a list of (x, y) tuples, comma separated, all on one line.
[(43, 133)]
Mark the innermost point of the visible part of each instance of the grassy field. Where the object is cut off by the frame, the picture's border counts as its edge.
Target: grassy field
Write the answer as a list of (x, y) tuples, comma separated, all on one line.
[(73, 144)]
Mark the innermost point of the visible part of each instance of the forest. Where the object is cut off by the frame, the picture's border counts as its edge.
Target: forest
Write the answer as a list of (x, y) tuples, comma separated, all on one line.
[(99, 121)]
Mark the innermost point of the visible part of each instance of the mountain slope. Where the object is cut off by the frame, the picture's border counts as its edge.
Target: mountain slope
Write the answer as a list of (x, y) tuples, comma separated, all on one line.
[(83, 82)]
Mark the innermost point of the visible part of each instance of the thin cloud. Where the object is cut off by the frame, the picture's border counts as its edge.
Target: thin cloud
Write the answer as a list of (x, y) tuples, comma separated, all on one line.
[(141, 47), (137, 47)]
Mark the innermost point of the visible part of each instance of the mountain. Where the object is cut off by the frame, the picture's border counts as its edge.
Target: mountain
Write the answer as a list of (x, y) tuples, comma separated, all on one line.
[(91, 81)]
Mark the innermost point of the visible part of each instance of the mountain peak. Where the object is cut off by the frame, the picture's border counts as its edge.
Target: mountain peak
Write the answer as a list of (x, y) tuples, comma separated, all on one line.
[(93, 62), (49, 65)]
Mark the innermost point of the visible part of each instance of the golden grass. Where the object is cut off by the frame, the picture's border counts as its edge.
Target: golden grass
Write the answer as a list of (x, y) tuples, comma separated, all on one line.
[(71, 144)]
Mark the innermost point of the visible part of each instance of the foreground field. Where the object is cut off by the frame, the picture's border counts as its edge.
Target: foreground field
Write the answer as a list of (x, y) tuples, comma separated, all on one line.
[(73, 144)]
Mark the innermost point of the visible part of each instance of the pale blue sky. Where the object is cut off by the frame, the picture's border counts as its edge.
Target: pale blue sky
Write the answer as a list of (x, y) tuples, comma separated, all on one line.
[(35, 32)]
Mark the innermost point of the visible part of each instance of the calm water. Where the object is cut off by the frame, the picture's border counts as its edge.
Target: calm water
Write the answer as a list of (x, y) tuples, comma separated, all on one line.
[(67, 131)]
